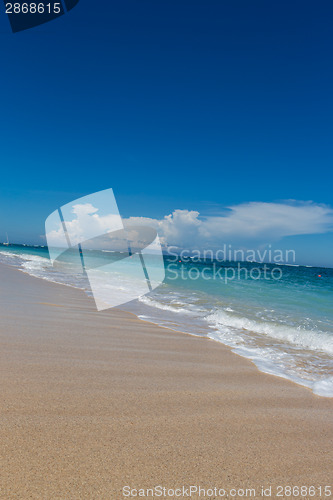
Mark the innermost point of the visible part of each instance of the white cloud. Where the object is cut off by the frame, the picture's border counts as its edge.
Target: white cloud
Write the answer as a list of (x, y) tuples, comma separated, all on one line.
[(248, 222), (83, 223), (252, 223)]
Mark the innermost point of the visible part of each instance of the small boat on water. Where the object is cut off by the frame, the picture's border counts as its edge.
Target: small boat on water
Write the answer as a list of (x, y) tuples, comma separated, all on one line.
[(6, 243)]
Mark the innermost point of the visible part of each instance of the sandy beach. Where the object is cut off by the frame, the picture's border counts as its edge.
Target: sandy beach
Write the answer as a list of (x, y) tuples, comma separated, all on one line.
[(92, 402)]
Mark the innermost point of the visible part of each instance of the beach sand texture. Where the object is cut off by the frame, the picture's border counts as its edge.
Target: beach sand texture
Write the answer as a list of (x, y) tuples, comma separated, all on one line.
[(91, 402)]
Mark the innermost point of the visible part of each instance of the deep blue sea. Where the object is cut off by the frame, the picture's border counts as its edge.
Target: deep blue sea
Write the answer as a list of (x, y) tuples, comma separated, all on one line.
[(279, 316)]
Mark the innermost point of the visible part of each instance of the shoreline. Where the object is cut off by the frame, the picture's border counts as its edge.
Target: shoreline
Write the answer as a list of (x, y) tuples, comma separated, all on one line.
[(92, 402), (234, 349)]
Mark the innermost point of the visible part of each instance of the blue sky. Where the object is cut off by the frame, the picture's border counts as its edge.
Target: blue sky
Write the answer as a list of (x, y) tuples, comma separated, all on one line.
[(186, 105)]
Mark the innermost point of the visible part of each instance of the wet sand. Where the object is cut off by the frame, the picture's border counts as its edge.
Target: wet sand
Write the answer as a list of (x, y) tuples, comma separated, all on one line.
[(91, 402)]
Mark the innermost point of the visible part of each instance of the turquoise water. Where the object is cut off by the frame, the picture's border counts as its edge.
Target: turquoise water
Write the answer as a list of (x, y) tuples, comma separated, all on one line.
[(279, 316)]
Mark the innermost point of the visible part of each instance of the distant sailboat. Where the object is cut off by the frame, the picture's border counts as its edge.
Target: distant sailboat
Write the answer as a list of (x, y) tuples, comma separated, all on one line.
[(6, 242)]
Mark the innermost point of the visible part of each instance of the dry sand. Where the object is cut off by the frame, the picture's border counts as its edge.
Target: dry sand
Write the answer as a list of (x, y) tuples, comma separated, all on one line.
[(91, 402)]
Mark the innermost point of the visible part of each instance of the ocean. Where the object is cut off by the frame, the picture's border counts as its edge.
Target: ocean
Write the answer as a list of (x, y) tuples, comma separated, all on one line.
[(278, 316)]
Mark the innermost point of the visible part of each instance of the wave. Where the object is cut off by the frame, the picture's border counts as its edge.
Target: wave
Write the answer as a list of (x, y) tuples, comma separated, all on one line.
[(310, 339), (323, 387), (159, 305), (41, 267)]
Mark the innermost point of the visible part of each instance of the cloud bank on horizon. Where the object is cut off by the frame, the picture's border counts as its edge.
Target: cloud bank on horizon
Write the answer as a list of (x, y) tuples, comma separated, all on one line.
[(243, 224), (251, 223)]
